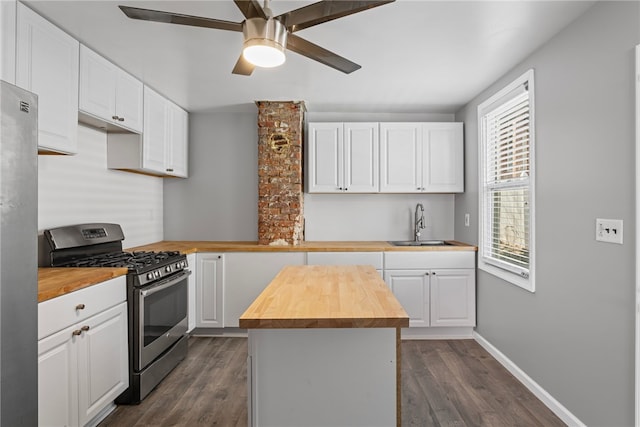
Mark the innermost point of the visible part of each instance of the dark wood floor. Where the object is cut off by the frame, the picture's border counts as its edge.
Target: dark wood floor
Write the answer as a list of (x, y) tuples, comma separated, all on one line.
[(444, 383)]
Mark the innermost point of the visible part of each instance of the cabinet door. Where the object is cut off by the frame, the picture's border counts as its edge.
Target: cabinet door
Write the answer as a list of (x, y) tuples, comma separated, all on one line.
[(191, 260), (47, 62), (209, 291), (361, 148), (129, 95), (246, 276), (103, 363), (177, 142), (411, 288), (325, 158), (58, 379), (400, 157), (98, 79), (154, 136), (453, 297), (8, 41), (442, 158)]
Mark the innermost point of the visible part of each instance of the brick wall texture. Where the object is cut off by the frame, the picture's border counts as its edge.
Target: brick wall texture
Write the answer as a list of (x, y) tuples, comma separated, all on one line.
[(280, 192)]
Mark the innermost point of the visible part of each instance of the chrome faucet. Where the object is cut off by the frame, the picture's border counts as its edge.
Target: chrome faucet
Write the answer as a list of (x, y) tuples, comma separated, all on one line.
[(419, 222)]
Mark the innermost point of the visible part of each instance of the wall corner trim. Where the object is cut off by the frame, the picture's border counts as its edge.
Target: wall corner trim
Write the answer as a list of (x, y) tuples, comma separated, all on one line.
[(546, 398)]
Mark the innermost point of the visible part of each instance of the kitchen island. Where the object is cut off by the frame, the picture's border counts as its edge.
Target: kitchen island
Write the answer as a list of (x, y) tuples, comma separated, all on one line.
[(324, 349)]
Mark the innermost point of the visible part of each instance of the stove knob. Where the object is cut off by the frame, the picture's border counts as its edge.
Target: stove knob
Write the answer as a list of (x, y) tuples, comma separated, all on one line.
[(184, 264), (167, 269), (149, 276), (156, 273), (178, 265)]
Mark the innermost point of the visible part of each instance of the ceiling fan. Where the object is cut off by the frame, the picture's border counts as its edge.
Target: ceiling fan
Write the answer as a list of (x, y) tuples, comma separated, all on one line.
[(266, 36)]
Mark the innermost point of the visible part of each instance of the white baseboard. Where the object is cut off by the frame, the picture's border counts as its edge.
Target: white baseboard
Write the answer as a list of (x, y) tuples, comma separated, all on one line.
[(535, 388), (437, 333)]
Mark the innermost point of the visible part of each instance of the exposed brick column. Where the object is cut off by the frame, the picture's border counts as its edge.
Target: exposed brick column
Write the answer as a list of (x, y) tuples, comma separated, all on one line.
[(280, 193)]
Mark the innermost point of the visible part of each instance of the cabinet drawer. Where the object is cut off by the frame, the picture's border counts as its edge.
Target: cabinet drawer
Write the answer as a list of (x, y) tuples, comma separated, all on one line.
[(345, 258), (62, 312), (429, 259)]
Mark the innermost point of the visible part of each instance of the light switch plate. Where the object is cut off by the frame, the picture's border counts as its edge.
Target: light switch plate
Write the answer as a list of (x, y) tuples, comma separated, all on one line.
[(609, 230), (466, 220)]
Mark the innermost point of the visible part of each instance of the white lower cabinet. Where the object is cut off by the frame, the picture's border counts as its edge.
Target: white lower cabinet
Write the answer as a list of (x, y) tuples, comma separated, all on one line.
[(435, 288), (209, 290), (435, 297), (246, 276), (411, 288), (83, 365), (453, 297), (191, 308)]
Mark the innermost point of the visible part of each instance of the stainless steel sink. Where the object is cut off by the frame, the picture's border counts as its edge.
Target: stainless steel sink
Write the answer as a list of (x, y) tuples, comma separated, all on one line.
[(420, 243)]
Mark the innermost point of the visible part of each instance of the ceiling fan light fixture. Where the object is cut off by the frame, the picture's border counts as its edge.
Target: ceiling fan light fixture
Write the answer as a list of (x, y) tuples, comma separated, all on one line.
[(264, 42)]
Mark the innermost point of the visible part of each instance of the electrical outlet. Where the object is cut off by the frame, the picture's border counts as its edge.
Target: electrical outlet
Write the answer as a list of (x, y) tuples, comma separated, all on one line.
[(609, 230), (466, 220)]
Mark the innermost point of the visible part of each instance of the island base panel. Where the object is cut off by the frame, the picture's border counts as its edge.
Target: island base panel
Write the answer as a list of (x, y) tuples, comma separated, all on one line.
[(328, 377)]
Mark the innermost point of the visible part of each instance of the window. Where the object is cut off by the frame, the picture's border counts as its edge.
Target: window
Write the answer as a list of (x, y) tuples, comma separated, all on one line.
[(506, 178)]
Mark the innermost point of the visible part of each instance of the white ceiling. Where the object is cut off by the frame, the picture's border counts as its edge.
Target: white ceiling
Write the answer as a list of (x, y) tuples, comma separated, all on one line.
[(416, 56)]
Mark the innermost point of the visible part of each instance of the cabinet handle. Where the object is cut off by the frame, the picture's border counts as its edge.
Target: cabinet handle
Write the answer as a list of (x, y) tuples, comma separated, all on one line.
[(219, 256), (85, 328), (80, 307), (169, 169), (114, 117), (76, 333), (426, 274), (121, 119), (340, 188), (434, 273), (345, 188)]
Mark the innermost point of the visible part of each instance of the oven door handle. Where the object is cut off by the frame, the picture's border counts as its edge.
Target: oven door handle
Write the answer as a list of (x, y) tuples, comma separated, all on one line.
[(160, 286)]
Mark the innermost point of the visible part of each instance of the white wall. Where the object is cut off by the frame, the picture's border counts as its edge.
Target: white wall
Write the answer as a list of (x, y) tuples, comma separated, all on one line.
[(219, 201), (376, 216), (79, 189), (575, 335)]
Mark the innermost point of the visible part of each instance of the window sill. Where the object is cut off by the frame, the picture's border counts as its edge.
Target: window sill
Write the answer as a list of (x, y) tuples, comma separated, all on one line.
[(514, 279)]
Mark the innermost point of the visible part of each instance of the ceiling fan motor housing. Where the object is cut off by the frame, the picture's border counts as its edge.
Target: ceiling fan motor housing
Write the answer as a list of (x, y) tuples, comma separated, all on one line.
[(259, 32)]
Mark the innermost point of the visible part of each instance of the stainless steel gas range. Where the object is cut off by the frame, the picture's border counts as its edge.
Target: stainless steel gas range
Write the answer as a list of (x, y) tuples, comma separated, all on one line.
[(157, 297)]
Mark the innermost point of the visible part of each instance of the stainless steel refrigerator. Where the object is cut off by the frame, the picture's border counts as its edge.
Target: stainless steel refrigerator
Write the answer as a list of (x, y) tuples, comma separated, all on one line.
[(18, 256)]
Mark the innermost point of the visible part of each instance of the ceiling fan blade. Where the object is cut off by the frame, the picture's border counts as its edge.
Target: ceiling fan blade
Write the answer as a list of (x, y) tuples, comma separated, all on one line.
[(177, 18), (250, 9), (317, 53), (324, 11), (243, 67)]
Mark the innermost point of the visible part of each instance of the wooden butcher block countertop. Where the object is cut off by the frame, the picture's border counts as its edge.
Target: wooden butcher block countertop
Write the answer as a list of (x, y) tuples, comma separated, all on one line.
[(189, 247), (322, 296), (55, 282)]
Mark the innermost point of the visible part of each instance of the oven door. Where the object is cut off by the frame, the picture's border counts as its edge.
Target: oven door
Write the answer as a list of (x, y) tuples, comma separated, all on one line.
[(160, 317)]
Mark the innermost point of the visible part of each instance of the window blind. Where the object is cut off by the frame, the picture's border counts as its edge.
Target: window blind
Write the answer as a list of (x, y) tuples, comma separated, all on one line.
[(506, 182)]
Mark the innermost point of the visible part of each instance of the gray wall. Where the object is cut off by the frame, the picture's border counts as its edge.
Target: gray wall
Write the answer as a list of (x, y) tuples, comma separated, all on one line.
[(575, 334), (219, 200)]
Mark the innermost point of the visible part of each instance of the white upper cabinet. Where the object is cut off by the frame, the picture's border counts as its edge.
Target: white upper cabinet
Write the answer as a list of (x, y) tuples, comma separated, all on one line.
[(108, 93), (178, 142), (47, 61), (162, 148), (154, 136), (400, 162), (361, 147), (343, 157), (442, 158), (325, 158), (421, 158), (8, 41)]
